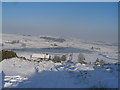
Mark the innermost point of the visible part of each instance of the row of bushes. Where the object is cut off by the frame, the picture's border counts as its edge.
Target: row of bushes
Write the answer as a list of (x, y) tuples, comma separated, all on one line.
[(59, 59), (5, 54), (99, 62), (81, 59)]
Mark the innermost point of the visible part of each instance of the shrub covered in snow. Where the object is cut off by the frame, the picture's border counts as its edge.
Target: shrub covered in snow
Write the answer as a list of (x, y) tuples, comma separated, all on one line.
[(63, 58), (15, 41), (59, 59), (102, 62), (4, 54), (81, 59), (56, 59), (99, 62)]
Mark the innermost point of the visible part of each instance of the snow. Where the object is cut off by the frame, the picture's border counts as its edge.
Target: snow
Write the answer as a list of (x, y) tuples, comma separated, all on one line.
[(18, 67), (19, 73), (57, 75), (11, 81), (70, 79), (37, 42), (8, 84), (93, 56), (40, 56)]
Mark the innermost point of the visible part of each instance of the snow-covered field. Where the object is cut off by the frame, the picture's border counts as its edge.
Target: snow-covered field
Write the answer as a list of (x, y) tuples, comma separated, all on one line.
[(37, 42), (19, 73), (47, 74)]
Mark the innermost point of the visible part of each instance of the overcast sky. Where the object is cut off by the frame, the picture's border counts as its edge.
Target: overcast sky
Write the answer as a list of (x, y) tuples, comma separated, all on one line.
[(91, 21)]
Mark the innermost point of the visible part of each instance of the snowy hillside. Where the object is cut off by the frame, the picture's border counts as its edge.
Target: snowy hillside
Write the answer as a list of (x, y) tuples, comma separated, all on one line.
[(39, 73), (46, 74), (26, 41)]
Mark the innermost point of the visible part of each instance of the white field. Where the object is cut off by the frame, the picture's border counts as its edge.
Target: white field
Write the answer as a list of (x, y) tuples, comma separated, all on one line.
[(47, 74), (37, 42)]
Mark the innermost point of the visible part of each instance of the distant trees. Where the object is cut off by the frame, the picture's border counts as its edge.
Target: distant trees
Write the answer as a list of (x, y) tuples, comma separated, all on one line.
[(54, 44), (59, 59), (15, 41), (95, 48), (61, 40), (99, 62), (56, 59), (92, 48), (96, 62), (102, 62)]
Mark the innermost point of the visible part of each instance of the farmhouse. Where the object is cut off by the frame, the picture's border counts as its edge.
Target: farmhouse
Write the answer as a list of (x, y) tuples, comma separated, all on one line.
[(40, 56)]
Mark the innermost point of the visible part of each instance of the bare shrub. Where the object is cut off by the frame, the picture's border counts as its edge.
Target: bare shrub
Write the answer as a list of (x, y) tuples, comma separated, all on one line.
[(81, 58), (99, 62), (56, 59)]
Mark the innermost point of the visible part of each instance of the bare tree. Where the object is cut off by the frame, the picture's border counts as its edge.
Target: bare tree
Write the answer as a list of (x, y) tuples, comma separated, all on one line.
[(56, 59), (102, 62), (81, 58), (63, 58)]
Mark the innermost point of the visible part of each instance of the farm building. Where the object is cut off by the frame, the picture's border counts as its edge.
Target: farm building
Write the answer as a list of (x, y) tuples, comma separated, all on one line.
[(40, 56)]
